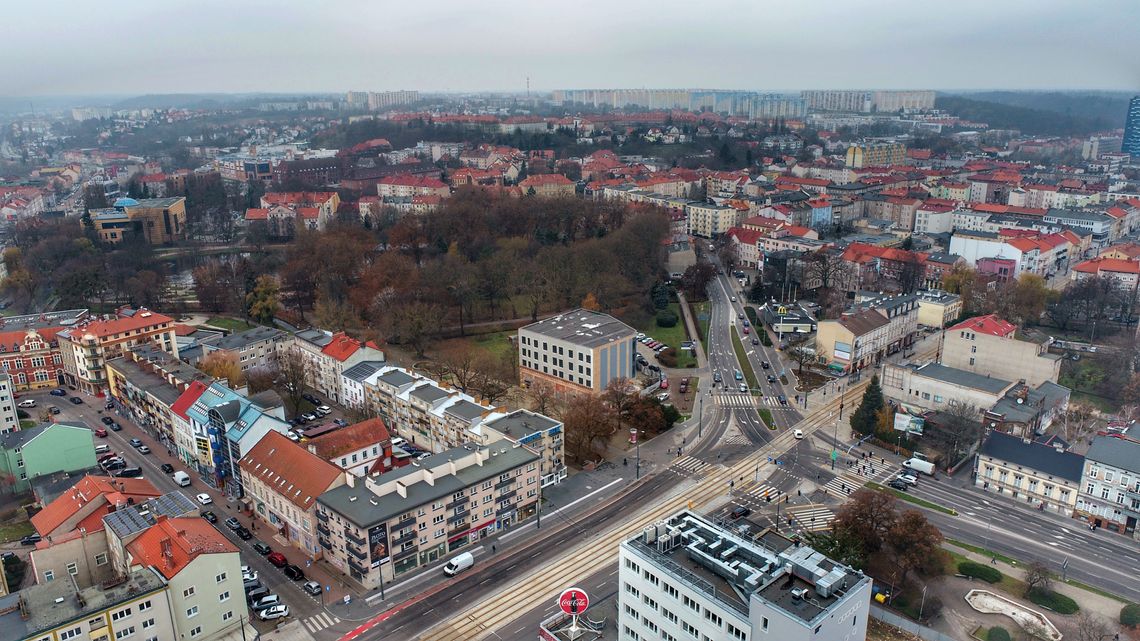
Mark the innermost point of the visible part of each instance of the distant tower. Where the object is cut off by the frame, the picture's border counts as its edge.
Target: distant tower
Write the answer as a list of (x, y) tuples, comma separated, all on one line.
[(1131, 144), (528, 88)]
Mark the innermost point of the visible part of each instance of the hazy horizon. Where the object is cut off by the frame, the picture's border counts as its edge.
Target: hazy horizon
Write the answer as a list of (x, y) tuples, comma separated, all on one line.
[(211, 47)]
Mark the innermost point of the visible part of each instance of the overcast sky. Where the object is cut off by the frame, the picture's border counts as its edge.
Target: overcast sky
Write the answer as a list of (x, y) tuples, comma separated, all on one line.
[(179, 46)]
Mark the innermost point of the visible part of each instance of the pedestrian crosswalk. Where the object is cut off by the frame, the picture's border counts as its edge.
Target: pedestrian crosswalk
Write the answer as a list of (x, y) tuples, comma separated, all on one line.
[(737, 439), (844, 484), (690, 464), (735, 400), (320, 621), (764, 493), (810, 518), (772, 401)]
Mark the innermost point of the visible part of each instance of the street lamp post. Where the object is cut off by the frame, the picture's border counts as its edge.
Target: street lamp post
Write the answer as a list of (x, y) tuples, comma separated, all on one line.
[(633, 432), (922, 603), (835, 435), (700, 417)]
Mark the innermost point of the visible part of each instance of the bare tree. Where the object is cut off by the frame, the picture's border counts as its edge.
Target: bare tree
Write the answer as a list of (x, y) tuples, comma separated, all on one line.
[(543, 397), (955, 429), (1090, 627), (1037, 577), (800, 354), (1078, 422), (459, 363), (293, 367), (493, 375), (828, 269), (587, 422)]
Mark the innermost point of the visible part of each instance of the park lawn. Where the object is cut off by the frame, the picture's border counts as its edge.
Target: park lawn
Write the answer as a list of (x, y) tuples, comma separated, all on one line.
[(15, 531), (671, 336), (698, 310), (743, 362), (496, 344), (232, 324)]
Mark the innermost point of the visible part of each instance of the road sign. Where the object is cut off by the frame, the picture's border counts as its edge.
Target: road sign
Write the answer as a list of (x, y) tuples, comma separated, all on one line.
[(573, 601), (834, 454)]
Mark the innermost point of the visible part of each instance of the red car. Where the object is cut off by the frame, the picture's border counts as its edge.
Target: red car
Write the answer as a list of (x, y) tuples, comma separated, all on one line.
[(100, 432), (278, 559)]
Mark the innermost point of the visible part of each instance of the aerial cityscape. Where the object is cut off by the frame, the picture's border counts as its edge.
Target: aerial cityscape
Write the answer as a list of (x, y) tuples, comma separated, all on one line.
[(750, 322)]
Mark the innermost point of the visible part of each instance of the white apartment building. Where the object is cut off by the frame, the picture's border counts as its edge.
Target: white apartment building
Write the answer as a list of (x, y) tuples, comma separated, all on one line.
[(9, 419), (576, 351), (1110, 485), (688, 578), (708, 220)]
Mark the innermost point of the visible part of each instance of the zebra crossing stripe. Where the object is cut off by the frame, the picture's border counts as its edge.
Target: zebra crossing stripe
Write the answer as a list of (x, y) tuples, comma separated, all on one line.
[(320, 621)]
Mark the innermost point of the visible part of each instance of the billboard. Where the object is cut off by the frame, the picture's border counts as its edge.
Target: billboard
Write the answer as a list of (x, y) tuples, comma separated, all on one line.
[(909, 424), (842, 351), (378, 544)]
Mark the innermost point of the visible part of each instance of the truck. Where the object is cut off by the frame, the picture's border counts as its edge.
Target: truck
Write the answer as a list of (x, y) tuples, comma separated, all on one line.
[(919, 465), (459, 563)]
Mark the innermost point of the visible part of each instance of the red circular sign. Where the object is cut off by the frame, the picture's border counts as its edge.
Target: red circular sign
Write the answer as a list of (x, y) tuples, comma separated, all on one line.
[(573, 601)]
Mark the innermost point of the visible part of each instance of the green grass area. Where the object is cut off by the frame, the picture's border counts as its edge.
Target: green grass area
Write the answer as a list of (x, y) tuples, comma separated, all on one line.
[(671, 336), (912, 499), (742, 359), (232, 324), (1101, 403), (1005, 583), (15, 531), (497, 344), (699, 310), (980, 550), (27, 423), (766, 416)]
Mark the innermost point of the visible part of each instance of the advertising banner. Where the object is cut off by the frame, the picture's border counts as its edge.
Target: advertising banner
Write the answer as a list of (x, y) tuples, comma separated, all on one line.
[(909, 424), (378, 544)]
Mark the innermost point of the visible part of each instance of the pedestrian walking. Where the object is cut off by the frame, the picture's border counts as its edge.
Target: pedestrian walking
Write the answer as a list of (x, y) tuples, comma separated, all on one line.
[(493, 548)]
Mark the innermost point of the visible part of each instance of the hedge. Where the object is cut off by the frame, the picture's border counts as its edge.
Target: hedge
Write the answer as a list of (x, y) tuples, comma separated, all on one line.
[(997, 633), (666, 318), (978, 571), (1130, 615), (1058, 603)]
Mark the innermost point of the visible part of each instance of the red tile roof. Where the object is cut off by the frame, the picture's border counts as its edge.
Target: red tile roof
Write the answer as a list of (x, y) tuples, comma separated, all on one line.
[(349, 439), (289, 470), (341, 347), (188, 398), (297, 197), (103, 492), (1113, 265), (541, 180), (990, 324), (172, 544), (142, 319), (412, 180), (257, 213), (745, 236)]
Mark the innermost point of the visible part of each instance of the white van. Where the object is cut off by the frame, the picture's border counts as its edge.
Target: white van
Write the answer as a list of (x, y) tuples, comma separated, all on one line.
[(458, 564), (102, 448), (31, 402), (181, 478)]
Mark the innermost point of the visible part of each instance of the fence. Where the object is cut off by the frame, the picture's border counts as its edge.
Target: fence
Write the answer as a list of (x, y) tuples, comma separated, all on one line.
[(886, 616)]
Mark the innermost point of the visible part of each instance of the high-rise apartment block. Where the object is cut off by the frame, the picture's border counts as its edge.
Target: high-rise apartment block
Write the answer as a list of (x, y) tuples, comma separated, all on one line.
[(1131, 144), (375, 101), (868, 101)]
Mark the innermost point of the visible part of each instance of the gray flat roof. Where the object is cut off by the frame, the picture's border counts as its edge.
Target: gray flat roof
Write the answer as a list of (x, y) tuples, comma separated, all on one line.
[(396, 378), (155, 202), (582, 327), (963, 378), (365, 509), (429, 393), (244, 339), (1120, 452), (519, 423), (54, 603), (152, 383), (466, 410), (314, 336)]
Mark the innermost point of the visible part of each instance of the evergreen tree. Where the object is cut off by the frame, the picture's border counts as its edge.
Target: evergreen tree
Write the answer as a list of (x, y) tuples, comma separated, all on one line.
[(865, 417)]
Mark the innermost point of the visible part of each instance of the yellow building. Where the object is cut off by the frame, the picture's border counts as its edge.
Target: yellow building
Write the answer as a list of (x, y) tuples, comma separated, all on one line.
[(877, 154), (938, 308), (161, 221)]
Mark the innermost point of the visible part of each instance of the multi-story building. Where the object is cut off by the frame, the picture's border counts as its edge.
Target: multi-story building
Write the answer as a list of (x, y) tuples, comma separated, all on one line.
[(160, 221), (353, 383), (86, 347), (137, 605), (935, 386), (282, 223), (675, 582), (1124, 273), (576, 351), (989, 346), (409, 185), (146, 382), (202, 570), (29, 347), (547, 185), (1041, 473), (325, 202), (708, 220), (359, 449), (45, 449), (1110, 484), (1131, 142), (282, 480), (390, 524), (9, 418), (540, 433), (252, 349), (876, 154), (328, 355), (938, 309), (864, 336)]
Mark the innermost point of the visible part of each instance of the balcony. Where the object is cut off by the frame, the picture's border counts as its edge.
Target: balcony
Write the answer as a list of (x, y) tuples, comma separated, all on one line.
[(404, 525), (506, 497), (360, 554), (356, 566), (323, 529), (324, 543), (456, 503), (351, 538), (410, 536), (323, 517), (501, 484), (458, 518)]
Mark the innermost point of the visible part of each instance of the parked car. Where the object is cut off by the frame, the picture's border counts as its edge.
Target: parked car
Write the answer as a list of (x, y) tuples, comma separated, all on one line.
[(312, 587), (209, 516), (311, 398), (76, 400), (107, 420), (277, 559), (204, 499), (232, 523), (31, 402), (53, 409), (273, 612), (243, 533), (309, 416), (109, 405), (129, 473), (135, 442), (324, 409), (248, 574), (100, 432), (261, 548), (31, 539), (59, 391), (114, 464), (253, 594), (293, 572), (341, 422)]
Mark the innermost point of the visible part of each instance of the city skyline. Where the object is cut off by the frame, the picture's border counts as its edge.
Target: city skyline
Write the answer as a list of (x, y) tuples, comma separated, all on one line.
[(635, 44)]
